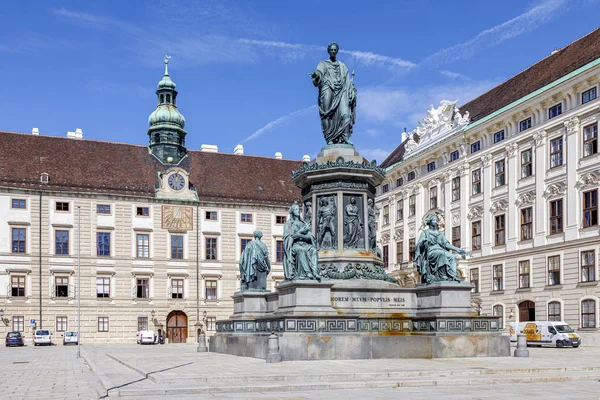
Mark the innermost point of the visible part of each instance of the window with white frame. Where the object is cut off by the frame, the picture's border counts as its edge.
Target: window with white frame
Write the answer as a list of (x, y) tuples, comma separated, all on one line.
[(61, 324), (102, 287), (386, 215), (474, 278), (454, 155), (431, 166), (526, 163), (556, 152), (554, 311), (525, 124), (476, 235), (102, 324), (211, 323), (590, 140), (210, 290), (527, 223), (499, 136), (524, 274), (410, 176), (412, 205), (588, 313), (553, 270), (142, 288), (588, 266), (142, 324), (245, 217), (211, 248), (456, 236), (500, 175), (17, 285), (400, 210), (498, 311), (433, 197), (555, 111), (18, 323), (500, 229), (498, 277), (143, 245), (456, 188), (476, 181), (590, 208), (177, 288), (588, 95), (475, 147), (556, 216)]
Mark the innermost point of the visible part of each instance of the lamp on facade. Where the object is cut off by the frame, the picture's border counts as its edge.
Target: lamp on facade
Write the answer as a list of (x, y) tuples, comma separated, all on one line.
[(154, 320), (5, 320)]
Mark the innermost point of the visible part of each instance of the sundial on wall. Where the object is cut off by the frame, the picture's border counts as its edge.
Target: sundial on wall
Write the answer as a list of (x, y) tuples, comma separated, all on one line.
[(177, 218)]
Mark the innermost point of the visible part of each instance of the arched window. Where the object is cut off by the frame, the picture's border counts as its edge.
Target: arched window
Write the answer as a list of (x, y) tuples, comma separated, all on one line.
[(588, 313), (554, 311), (157, 138), (168, 98), (162, 98), (498, 311)]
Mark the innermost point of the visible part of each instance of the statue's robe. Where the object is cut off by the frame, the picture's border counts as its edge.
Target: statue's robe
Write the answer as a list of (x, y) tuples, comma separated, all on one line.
[(255, 265), (434, 262), (353, 226), (300, 258), (339, 115)]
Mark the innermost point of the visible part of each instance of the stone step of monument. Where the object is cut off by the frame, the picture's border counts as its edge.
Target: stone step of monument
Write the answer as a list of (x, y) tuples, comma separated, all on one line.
[(233, 385)]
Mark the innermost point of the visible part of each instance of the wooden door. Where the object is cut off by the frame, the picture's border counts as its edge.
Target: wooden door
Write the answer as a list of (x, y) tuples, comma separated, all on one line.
[(527, 311), (177, 328)]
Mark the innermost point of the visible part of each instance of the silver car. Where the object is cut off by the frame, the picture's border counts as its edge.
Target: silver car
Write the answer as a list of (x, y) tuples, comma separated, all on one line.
[(70, 337), (42, 336)]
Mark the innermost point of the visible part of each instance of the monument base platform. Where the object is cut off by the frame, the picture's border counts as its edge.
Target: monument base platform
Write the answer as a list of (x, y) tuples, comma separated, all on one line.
[(359, 319)]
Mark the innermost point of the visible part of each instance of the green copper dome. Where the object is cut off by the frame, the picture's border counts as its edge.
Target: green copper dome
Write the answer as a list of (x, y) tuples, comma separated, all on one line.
[(166, 114), (166, 82)]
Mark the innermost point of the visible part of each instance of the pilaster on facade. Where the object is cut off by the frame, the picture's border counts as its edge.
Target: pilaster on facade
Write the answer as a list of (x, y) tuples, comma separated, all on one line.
[(539, 222), (573, 199)]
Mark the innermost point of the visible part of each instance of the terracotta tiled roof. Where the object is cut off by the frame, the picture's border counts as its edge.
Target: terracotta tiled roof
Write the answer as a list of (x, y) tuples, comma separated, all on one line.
[(551, 68), (82, 165)]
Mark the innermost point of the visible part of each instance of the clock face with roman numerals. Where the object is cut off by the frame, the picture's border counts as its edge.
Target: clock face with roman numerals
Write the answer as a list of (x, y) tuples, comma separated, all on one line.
[(176, 181)]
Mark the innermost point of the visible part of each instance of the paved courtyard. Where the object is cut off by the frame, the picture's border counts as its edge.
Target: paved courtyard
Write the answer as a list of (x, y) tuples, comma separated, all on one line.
[(177, 371)]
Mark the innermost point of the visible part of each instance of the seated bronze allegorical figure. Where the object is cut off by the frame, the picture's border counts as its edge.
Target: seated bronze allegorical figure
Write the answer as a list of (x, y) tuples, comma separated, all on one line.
[(300, 257), (433, 258)]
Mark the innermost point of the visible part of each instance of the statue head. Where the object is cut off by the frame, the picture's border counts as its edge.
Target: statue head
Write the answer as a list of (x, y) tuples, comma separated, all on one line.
[(333, 49), (258, 235), (370, 201), (352, 200), (432, 221), (308, 203), (295, 210)]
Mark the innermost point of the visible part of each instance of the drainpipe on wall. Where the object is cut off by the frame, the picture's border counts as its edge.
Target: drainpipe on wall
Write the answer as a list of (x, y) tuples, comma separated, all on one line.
[(40, 250), (198, 270)]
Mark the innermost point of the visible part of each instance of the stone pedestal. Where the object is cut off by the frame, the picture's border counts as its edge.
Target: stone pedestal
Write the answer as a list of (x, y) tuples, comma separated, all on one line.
[(299, 298), (445, 299), (249, 304)]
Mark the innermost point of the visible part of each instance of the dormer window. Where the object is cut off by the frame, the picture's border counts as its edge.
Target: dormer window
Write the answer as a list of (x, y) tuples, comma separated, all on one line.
[(431, 166), (499, 136), (44, 178), (555, 111), (410, 176)]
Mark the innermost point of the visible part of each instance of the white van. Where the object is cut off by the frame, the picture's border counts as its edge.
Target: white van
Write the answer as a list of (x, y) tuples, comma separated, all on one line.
[(147, 337), (545, 333)]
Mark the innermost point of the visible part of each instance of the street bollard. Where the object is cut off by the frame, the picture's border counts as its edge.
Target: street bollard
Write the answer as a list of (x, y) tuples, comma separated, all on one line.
[(202, 343), (521, 350), (273, 355)]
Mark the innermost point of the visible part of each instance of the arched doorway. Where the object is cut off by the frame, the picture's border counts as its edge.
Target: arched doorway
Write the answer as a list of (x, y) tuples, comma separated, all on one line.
[(526, 311), (177, 327)]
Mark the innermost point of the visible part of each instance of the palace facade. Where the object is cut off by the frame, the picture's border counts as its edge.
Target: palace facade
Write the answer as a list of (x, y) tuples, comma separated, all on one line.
[(158, 230), (514, 177)]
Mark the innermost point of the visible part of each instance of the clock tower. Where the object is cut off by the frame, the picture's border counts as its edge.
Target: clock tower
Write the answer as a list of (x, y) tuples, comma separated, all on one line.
[(167, 137)]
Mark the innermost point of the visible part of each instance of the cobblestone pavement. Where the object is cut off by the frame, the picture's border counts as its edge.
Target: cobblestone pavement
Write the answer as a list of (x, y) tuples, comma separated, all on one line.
[(178, 371)]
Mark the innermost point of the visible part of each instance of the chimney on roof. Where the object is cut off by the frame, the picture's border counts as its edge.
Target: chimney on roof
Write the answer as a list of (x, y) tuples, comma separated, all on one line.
[(239, 150), (554, 51), (404, 136), (209, 148), (306, 158), (278, 155), (35, 131), (78, 134)]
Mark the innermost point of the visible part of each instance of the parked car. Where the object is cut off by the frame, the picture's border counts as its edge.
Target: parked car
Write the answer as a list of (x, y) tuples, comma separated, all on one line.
[(70, 337), (42, 336), (147, 337), (14, 339), (545, 333)]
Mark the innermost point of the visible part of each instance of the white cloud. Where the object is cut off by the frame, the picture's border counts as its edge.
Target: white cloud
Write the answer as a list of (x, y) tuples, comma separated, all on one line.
[(373, 132), (526, 22), (454, 75), (374, 154), (281, 121)]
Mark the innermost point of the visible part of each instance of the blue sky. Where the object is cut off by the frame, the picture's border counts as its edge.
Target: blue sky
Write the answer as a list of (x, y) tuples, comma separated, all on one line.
[(242, 68)]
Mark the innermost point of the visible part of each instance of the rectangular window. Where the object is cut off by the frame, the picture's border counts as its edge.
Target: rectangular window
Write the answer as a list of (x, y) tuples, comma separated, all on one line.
[(103, 208), (588, 95), (526, 163), (18, 203), (386, 256), (142, 211), (62, 206), (279, 251), (400, 210), (411, 205), (17, 286), (498, 311), (555, 111), (524, 282), (210, 215), (499, 229), (18, 240), (411, 249), (280, 219), (499, 136), (177, 288), (243, 244), (103, 244), (399, 252), (500, 177), (386, 215), (143, 245), (476, 181), (211, 323), (62, 242), (410, 176), (399, 182), (102, 324), (431, 166), (142, 288), (525, 124), (527, 223), (475, 147), (590, 140), (177, 247), (498, 278), (588, 266), (142, 324), (554, 270), (590, 209), (456, 236), (456, 188), (244, 217), (475, 280), (210, 290), (211, 248), (556, 216), (61, 286), (476, 235), (61, 324), (18, 324), (433, 197), (454, 155), (103, 287), (554, 311), (385, 188), (556, 155), (588, 314)]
